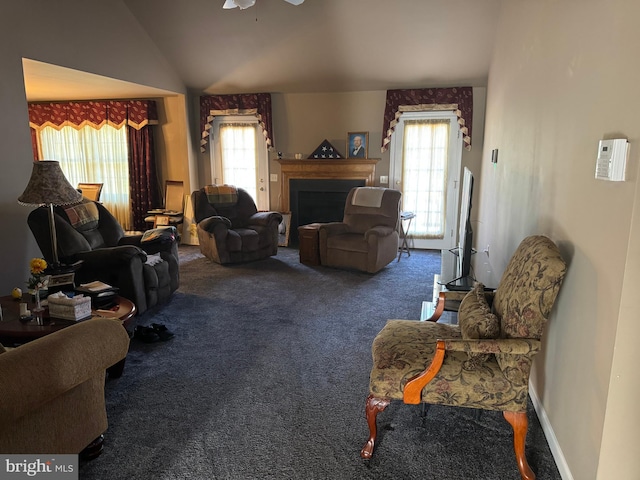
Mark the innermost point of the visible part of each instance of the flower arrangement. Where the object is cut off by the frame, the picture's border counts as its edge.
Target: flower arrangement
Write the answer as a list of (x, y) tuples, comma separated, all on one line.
[(38, 279)]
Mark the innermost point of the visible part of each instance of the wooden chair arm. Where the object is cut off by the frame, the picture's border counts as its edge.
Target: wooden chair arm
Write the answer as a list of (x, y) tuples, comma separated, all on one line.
[(447, 301), (412, 393)]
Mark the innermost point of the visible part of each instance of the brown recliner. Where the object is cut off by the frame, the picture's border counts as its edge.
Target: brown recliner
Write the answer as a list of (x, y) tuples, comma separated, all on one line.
[(230, 228), (367, 237)]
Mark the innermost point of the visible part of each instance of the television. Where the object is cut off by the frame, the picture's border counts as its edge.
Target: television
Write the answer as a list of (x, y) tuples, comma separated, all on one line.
[(464, 280)]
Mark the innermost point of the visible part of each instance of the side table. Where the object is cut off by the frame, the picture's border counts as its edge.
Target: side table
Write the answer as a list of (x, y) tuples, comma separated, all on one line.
[(308, 236), (15, 332)]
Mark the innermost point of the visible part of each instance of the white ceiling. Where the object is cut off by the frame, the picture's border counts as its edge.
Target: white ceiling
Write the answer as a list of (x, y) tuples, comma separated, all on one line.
[(319, 46)]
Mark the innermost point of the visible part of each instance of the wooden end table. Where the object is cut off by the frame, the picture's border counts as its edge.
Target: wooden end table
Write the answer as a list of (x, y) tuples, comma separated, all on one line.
[(309, 243), (15, 332)]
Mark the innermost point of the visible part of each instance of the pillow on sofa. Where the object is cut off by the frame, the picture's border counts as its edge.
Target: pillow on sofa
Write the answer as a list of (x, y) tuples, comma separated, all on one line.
[(477, 322)]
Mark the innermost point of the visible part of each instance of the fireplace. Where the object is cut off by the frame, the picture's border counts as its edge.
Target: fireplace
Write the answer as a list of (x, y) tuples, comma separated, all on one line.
[(316, 190), (317, 201)]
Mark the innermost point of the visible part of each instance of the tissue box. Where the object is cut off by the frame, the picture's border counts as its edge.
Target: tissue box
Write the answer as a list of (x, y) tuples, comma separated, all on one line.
[(76, 308)]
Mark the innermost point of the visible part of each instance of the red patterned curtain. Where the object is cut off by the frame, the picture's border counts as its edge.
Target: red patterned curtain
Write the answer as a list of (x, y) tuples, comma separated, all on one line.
[(136, 115), (257, 104), (143, 177), (456, 99)]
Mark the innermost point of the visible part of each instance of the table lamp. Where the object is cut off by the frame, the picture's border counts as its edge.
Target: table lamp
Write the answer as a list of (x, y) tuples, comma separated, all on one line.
[(49, 187)]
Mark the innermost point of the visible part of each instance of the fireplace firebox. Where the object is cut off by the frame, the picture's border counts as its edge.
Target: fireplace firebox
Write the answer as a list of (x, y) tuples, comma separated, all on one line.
[(317, 201), (316, 190)]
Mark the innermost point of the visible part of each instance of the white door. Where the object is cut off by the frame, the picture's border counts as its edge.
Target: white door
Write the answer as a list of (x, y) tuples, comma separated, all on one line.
[(426, 151), (239, 156)]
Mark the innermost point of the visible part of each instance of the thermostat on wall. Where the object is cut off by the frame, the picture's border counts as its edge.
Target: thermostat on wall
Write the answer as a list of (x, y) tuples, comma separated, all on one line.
[(612, 159)]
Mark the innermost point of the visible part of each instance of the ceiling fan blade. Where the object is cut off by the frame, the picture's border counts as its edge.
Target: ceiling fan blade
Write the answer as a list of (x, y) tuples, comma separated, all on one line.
[(294, 2), (239, 3)]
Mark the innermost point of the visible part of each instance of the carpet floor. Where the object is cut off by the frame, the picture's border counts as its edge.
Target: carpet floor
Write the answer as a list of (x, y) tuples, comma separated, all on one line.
[(267, 376)]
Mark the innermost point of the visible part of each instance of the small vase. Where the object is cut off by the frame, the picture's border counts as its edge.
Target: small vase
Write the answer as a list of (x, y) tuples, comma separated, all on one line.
[(37, 309)]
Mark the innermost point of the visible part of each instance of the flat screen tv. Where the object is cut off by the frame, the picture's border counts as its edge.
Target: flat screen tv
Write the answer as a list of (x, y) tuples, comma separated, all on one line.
[(465, 237)]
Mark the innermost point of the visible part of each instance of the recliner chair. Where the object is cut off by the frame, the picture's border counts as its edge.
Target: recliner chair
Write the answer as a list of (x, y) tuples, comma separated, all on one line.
[(230, 228), (88, 232), (367, 237)]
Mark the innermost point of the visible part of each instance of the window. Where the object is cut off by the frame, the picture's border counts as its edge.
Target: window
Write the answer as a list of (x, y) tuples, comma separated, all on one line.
[(95, 156), (238, 148), (239, 156), (424, 170), (426, 152)]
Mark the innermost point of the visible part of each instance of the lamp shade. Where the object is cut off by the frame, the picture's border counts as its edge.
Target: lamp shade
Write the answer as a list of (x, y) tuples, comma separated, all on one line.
[(49, 186)]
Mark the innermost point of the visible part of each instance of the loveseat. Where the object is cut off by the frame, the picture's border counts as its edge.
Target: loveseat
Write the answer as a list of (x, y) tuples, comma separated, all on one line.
[(52, 398)]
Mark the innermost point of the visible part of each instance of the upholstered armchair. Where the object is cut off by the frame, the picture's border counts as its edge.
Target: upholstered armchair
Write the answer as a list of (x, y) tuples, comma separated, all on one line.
[(367, 237), (144, 271), (230, 228), (483, 362)]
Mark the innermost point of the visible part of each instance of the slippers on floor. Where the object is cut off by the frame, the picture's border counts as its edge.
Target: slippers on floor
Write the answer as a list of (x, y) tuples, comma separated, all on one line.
[(162, 331), (146, 334)]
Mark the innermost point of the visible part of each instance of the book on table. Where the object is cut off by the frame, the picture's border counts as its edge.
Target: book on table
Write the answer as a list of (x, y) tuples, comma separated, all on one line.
[(95, 288), (102, 294)]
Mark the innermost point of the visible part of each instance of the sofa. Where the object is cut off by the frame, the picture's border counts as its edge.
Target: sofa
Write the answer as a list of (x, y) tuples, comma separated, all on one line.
[(144, 268), (52, 388)]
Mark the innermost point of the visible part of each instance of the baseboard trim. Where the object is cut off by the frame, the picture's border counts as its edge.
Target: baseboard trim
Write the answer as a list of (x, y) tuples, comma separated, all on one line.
[(556, 451)]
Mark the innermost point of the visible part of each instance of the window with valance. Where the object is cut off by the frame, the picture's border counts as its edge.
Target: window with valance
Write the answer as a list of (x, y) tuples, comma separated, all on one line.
[(456, 99), (136, 117), (256, 104)]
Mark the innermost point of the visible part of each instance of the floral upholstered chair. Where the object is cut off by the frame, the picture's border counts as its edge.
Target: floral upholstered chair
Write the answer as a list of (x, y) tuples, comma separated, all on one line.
[(483, 362)]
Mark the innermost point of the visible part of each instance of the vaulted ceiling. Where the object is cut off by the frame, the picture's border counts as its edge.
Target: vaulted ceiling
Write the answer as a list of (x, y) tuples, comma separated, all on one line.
[(319, 46)]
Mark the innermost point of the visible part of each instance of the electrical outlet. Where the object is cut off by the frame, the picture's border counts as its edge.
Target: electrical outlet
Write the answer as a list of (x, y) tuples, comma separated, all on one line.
[(274, 177), (384, 179)]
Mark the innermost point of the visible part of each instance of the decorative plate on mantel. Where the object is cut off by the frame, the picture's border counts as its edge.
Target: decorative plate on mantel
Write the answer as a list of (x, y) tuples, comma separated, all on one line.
[(325, 150)]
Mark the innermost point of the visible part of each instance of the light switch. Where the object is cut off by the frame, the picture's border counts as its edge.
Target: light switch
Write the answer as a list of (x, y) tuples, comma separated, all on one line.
[(274, 177), (384, 179)]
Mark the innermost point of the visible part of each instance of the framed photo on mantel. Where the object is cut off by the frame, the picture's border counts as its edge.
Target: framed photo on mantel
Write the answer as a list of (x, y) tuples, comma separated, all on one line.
[(357, 144)]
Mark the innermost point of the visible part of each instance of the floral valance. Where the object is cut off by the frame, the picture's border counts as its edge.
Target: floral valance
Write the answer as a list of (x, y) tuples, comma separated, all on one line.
[(134, 113), (256, 104), (457, 99)]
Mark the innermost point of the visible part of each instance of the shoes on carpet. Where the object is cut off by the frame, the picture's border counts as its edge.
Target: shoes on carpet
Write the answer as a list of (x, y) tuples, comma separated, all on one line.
[(155, 333), (162, 331), (145, 334)]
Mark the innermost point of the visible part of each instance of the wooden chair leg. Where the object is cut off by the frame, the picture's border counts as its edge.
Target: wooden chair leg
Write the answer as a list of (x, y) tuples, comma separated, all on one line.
[(519, 422), (374, 406)]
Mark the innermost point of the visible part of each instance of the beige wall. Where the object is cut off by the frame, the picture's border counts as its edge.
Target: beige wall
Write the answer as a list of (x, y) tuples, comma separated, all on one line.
[(564, 75), (302, 121)]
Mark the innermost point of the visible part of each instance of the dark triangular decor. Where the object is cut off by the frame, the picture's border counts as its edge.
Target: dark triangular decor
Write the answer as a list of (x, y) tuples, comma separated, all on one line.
[(325, 150)]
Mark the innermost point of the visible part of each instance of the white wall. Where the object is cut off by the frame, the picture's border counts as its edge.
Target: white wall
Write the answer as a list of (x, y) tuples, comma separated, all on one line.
[(96, 37), (564, 75)]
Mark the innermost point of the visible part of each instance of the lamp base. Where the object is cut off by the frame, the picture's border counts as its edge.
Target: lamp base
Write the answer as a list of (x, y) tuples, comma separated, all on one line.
[(62, 268)]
